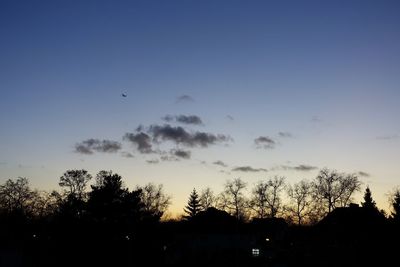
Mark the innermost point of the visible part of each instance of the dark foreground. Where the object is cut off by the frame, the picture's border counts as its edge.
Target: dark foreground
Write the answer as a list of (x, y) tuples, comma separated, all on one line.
[(346, 237)]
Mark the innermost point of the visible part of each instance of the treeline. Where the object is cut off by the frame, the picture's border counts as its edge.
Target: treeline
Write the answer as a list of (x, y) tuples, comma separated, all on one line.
[(305, 202), (107, 200), (100, 222)]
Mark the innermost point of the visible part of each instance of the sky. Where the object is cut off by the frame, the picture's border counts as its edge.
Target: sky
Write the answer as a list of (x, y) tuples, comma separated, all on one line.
[(213, 90)]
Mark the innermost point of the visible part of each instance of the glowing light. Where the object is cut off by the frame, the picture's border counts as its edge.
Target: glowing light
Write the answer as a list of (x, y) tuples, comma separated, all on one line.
[(255, 252)]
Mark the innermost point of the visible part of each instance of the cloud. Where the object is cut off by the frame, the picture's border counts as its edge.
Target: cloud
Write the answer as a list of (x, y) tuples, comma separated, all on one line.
[(141, 140), (191, 119), (179, 135), (388, 137), (248, 169), (184, 98), (181, 153), (316, 119), (285, 135), (91, 145), (152, 161), (363, 174), (301, 167), (127, 155), (265, 142), (229, 117), (220, 163)]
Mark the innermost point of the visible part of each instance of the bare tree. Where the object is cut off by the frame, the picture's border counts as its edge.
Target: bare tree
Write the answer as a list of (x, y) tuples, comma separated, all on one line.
[(333, 189), (234, 199), (154, 199), (15, 195), (44, 203), (258, 201), (300, 200), (273, 197), (75, 182), (207, 198)]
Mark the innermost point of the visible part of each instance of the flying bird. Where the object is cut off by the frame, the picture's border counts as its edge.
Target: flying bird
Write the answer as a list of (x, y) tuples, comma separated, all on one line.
[(124, 95)]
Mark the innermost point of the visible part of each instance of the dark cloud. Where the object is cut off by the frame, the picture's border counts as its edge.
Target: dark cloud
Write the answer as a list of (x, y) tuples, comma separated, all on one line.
[(95, 145), (248, 169), (285, 135), (140, 128), (301, 167), (304, 168), (388, 137), (153, 161), (141, 140), (127, 155), (184, 98), (168, 118), (181, 153), (363, 174), (191, 119), (265, 142), (179, 135), (220, 163)]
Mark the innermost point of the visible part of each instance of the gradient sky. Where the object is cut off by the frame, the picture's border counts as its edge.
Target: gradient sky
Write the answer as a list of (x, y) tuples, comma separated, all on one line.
[(325, 73)]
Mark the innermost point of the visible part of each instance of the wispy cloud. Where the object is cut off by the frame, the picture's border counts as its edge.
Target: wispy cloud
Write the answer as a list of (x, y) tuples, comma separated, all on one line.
[(229, 117), (184, 98), (363, 174), (190, 119), (90, 146), (127, 154), (220, 163), (388, 137), (285, 134), (316, 119), (265, 142), (248, 169), (301, 167)]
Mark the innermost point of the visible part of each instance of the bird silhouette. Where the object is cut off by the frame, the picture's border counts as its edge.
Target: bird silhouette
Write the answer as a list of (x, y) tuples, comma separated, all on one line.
[(124, 95)]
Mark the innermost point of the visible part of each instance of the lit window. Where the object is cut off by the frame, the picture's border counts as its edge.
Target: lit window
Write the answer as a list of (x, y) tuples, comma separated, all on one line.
[(255, 252)]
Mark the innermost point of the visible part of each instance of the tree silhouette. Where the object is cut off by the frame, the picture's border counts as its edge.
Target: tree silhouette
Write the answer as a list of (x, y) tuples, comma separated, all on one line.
[(274, 200), (75, 182), (106, 200), (368, 203), (154, 199), (15, 196), (333, 189), (300, 195), (233, 199), (207, 198), (395, 202), (193, 206)]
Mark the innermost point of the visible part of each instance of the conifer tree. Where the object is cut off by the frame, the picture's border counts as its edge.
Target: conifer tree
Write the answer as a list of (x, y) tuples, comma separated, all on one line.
[(368, 201), (193, 206), (396, 205)]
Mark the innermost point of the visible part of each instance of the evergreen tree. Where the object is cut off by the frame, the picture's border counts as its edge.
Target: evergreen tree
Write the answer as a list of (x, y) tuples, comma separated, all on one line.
[(368, 201), (396, 206), (193, 206)]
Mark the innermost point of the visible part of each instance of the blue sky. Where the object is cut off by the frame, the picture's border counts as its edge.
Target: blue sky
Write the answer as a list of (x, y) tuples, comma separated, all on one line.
[(326, 72)]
